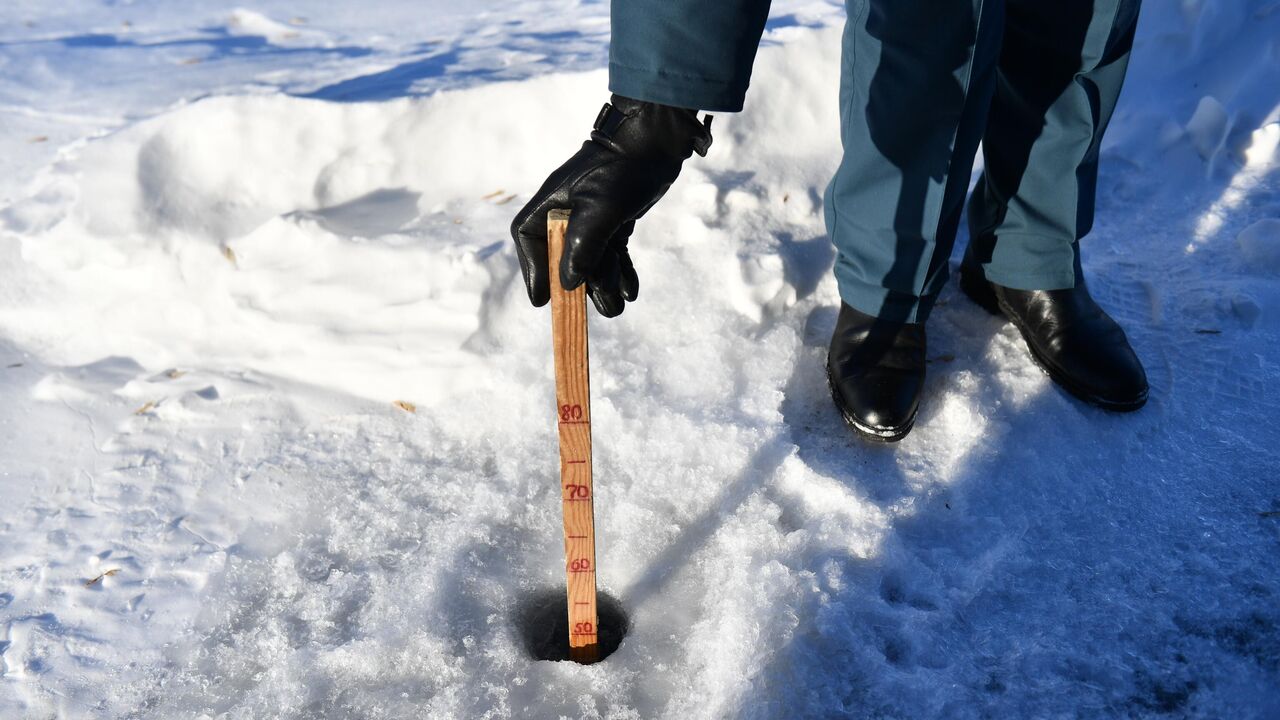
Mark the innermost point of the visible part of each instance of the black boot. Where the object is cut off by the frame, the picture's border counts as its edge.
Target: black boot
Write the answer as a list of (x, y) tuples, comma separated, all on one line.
[(1070, 338), (876, 370)]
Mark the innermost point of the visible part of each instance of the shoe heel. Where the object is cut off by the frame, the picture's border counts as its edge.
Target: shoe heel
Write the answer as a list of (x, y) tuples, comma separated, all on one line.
[(979, 290)]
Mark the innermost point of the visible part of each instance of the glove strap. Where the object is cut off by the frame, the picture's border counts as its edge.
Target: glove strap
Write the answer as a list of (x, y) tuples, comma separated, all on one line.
[(610, 118)]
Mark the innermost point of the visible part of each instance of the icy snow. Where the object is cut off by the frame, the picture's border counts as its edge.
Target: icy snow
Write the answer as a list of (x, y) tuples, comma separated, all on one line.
[(247, 232), (1260, 246)]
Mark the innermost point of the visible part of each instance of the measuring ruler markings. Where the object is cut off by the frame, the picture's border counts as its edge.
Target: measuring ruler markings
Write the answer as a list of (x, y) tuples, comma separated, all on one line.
[(573, 411)]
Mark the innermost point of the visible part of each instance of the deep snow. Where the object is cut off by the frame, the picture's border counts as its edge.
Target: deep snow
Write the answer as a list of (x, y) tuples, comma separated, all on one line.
[(209, 306)]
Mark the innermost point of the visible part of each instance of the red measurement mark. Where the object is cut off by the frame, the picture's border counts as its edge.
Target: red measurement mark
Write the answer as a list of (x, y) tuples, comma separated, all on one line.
[(575, 422), (575, 462), (570, 412), (577, 634), (582, 602), (577, 537)]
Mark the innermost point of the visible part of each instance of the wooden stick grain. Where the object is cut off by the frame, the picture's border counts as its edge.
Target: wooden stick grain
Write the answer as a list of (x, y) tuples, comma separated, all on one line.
[(573, 416)]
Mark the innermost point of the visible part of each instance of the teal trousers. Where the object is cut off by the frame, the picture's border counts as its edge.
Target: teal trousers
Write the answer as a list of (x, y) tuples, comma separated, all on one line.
[(922, 83)]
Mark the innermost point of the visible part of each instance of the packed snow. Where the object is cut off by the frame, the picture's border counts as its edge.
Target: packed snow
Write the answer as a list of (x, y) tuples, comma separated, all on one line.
[(277, 438)]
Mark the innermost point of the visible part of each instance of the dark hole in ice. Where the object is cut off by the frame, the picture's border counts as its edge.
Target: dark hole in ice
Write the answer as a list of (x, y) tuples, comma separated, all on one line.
[(542, 619)]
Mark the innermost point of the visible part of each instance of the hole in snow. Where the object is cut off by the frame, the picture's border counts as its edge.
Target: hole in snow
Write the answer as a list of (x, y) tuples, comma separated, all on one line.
[(542, 620)]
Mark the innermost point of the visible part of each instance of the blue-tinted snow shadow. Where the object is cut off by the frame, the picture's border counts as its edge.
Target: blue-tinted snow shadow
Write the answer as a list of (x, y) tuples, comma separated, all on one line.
[(410, 72), (403, 79), (1110, 561), (219, 41), (396, 81), (375, 214), (760, 469)]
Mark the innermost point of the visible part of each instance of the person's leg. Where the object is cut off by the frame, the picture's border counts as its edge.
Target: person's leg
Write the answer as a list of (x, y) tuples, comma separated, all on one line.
[(916, 80), (1061, 68), (1060, 74)]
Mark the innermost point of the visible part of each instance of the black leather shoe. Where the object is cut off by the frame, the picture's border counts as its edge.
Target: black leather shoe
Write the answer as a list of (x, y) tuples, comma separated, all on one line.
[(1070, 338), (876, 371)]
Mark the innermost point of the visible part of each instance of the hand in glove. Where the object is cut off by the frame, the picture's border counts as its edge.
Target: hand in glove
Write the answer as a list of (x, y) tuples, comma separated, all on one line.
[(633, 156)]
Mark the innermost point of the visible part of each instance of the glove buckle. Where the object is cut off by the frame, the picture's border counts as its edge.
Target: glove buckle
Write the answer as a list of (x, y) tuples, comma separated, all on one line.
[(608, 120)]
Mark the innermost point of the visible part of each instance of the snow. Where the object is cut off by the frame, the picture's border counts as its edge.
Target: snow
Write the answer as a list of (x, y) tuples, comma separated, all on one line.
[(1260, 246), (217, 278)]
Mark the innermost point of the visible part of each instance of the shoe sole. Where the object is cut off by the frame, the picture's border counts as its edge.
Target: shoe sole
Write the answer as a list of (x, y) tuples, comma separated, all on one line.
[(980, 292), (866, 432)]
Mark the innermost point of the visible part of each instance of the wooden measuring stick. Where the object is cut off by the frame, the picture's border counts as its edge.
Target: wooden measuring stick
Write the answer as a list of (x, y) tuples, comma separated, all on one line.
[(573, 415)]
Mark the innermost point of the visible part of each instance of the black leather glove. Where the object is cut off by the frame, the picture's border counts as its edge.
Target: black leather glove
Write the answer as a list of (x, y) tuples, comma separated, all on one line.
[(633, 156)]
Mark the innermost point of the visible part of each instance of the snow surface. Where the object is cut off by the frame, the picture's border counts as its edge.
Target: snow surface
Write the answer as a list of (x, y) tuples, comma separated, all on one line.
[(231, 237)]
